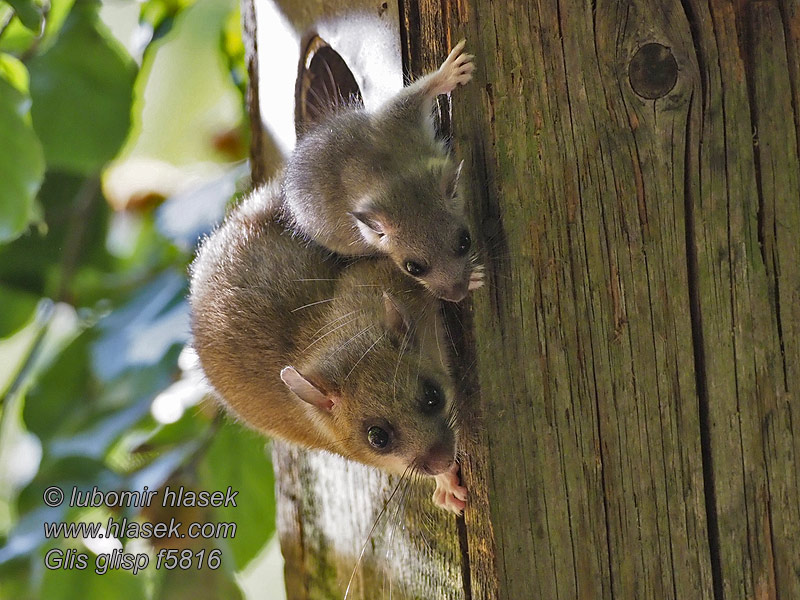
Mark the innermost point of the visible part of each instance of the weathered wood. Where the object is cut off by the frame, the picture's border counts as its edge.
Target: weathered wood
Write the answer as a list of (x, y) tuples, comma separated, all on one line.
[(741, 346), (790, 22), (584, 337), (778, 180), (264, 154), (636, 352)]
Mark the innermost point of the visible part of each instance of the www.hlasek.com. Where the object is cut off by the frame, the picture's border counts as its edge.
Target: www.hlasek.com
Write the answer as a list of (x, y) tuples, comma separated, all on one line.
[(123, 528)]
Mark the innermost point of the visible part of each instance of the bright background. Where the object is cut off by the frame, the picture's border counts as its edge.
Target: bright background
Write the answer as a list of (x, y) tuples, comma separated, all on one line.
[(123, 135)]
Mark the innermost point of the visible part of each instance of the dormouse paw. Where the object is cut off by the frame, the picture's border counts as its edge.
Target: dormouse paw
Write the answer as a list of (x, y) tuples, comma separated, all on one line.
[(476, 279), (449, 493), (455, 70)]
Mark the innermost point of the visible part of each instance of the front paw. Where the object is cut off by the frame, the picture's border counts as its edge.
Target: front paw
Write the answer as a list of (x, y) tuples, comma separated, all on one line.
[(455, 70), (449, 493), (476, 278)]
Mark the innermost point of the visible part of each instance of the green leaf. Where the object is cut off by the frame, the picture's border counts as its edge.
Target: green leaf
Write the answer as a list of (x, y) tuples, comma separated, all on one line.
[(82, 93), (72, 471), (251, 475), (186, 69), (75, 228), (21, 163), (19, 39), (16, 349), (142, 333), (68, 584), (15, 584), (18, 307), (51, 402), (155, 474), (233, 49), (92, 442), (28, 533), (165, 436), (202, 583), (29, 13), (74, 261), (186, 216), (14, 71), (155, 12)]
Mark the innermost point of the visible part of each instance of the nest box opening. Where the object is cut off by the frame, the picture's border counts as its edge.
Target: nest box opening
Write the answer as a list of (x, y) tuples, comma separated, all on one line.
[(324, 83)]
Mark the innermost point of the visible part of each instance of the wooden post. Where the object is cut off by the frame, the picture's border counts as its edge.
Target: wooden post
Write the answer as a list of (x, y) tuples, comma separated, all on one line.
[(636, 353)]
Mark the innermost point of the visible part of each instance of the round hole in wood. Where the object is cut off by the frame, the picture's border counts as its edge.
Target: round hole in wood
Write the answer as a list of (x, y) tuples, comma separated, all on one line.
[(324, 83), (653, 71)]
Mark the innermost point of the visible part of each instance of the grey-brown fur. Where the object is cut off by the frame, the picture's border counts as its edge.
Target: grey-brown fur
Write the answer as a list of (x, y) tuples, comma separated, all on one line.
[(364, 183), (263, 299)]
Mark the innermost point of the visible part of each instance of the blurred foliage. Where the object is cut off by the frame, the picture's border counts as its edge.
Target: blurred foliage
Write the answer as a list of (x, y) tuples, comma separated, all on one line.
[(115, 156)]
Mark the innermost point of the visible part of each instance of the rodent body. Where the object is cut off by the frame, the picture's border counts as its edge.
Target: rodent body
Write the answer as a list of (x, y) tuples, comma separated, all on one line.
[(362, 183), (350, 358)]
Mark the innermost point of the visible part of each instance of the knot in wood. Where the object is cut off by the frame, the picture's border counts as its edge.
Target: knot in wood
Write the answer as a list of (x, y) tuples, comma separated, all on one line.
[(653, 71)]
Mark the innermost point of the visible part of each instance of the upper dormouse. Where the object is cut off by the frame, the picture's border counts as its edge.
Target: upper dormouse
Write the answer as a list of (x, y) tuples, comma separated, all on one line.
[(362, 183)]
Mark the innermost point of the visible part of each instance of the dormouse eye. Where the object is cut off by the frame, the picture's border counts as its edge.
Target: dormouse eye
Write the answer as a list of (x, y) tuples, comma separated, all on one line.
[(432, 396), (464, 243), (415, 269), (377, 437)]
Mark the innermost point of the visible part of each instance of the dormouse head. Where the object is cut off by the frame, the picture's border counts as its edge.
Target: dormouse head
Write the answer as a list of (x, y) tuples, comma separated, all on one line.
[(390, 399), (417, 219)]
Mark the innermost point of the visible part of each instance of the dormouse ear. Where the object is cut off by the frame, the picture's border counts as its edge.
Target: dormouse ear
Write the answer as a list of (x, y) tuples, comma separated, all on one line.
[(450, 180), (396, 316), (373, 220), (305, 390)]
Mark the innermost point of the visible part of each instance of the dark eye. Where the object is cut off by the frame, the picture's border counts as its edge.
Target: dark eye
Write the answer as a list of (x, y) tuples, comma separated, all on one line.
[(378, 438), (416, 269), (464, 243), (432, 396)]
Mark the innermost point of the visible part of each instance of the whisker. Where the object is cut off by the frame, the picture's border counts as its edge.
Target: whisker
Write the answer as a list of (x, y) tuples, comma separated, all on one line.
[(450, 337), (419, 365), (400, 504), (396, 512), (359, 334), (335, 329), (371, 531), (336, 320), (466, 370), (317, 279), (334, 92), (363, 355), (313, 304), (406, 340)]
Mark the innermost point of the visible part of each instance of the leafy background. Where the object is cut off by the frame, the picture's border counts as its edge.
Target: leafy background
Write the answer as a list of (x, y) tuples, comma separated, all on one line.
[(122, 139)]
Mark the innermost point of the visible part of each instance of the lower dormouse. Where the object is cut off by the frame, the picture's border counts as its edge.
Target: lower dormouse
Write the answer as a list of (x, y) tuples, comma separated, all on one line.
[(348, 358)]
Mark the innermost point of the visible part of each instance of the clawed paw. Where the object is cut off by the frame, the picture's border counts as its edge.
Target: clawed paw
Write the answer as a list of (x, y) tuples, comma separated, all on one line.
[(449, 493), (477, 278), (455, 70)]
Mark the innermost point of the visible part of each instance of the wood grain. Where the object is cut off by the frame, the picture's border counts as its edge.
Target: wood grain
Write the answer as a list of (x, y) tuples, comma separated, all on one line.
[(629, 316), (584, 337)]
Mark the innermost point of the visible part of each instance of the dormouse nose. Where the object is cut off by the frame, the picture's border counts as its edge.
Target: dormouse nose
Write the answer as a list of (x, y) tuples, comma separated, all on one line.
[(438, 458), (456, 293)]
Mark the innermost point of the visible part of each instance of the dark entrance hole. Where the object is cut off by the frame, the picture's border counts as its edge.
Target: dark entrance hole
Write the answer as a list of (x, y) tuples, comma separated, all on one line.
[(324, 84)]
